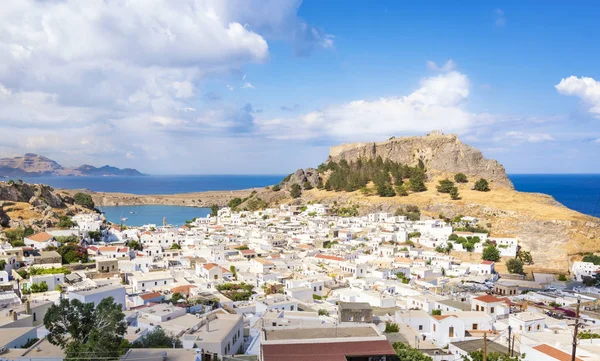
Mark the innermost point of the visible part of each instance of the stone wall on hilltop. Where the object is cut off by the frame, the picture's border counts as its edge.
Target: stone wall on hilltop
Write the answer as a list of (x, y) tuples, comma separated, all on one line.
[(441, 154)]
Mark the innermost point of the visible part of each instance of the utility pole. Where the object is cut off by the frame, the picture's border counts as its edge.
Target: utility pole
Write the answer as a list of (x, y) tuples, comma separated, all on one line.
[(573, 357), (484, 346)]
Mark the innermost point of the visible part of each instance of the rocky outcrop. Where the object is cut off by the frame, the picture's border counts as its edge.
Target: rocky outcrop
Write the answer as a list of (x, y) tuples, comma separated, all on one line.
[(301, 176), (35, 194), (441, 154)]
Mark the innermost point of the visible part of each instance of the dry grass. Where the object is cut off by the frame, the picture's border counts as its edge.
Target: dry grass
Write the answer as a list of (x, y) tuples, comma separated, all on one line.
[(20, 210)]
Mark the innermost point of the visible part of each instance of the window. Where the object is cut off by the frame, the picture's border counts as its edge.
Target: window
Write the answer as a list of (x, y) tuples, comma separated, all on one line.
[(529, 328), (34, 317), (434, 328), (477, 308), (291, 307), (165, 282), (420, 327), (142, 284), (156, 283), (451, 332), (491, 309), (474, 327), (538, 327)]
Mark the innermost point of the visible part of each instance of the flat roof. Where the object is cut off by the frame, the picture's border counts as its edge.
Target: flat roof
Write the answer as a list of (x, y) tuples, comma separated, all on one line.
[(97, 290), (456, 304), (10, 334), (354, 305), (474, 345), (218, 327), (173, 354), (325, 332)]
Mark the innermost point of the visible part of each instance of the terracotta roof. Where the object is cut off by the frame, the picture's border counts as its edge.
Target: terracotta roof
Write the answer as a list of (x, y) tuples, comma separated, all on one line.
[(263, 261), (247, 251), (40, 237), (554, 353), (209, 266), (183, 289), (326, 351), (331, 258), (149, 296), (488, 299), (441, 317)]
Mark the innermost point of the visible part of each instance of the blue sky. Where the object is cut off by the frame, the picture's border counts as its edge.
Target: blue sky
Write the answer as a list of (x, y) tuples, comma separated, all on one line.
[(210, 86)]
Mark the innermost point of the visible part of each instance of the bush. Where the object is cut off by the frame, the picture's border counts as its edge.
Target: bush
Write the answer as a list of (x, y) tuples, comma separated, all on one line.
[(158, 338), (460, 178), (276, 188), (234, 203), (436, 312), (295, 190), (391, 327), (445, 186), (454, 194), (37, 288), (307, 186), (491, 253), (592, 259), (323, 312), (84, 200), (482, 185), (514, 265), (562, 277)]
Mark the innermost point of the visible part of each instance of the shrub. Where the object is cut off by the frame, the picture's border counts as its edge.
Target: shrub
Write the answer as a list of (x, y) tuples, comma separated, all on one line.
[(460, 178), (514, 265), (295, 191), (84, 200), (391, 327), (562, 277), (234, 203), (436, 312), (276, 188), (445, 186), (323, 312), (307, 186), (454, 194), (491, 253), (482, 185)]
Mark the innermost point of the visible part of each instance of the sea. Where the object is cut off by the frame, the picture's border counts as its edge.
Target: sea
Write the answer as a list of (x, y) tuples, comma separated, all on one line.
[(580, 192)]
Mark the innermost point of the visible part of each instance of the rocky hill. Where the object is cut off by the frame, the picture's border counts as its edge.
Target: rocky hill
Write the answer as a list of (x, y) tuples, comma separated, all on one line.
[(33, 165), (439, 152), (33, 205)]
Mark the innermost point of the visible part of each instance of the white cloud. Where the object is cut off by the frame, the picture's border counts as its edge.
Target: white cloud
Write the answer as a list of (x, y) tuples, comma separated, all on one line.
[(247, 85), (437, 104), (529, 137), (585, 88), (500, 19), (121, 77), (229, 87), (448, 66)]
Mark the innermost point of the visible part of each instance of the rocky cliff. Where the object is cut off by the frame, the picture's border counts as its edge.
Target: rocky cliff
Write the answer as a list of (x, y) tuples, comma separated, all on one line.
[(34, 165), (441, 154)]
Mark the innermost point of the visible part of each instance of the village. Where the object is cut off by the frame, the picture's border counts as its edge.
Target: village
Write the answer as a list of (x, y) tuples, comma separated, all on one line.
[(298, 281)]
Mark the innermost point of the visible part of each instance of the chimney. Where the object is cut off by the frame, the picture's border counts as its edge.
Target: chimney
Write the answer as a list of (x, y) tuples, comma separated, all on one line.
[(15, 316), (28, 307)]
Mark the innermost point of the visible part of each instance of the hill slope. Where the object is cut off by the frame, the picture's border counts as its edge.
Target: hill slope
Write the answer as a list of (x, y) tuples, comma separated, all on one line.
[(441, 154), (33, 165)]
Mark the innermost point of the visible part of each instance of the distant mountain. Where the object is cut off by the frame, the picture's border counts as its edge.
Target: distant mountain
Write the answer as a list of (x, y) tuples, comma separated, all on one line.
[(33, 165)]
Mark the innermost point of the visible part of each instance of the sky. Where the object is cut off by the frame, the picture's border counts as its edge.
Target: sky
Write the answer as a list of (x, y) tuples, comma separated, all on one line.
[(267, 86)]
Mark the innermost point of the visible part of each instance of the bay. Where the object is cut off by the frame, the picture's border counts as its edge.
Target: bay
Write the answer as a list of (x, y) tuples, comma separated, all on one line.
[(141, 215)]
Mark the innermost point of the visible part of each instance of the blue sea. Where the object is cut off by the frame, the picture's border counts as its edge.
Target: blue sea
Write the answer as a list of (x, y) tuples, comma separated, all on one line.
[(580, 192)]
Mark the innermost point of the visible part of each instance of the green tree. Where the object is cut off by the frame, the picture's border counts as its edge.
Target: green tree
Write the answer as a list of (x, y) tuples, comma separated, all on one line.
[(482, 185), (436, 312), (276, 188), (295, 191), (460, 178), (214, 210), (391, 327), (307, 186), (2, 264), (158, 338), (323, 312), (95, 236), (84, 332), (591, 258), (454, 193), (135, 245), (562, 277), (491, 253), (445, 186), (176, 297), (175, 246), (407, 353), (73, 253), (417, 182), (524, 256), (514, 265), (84, 200)]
